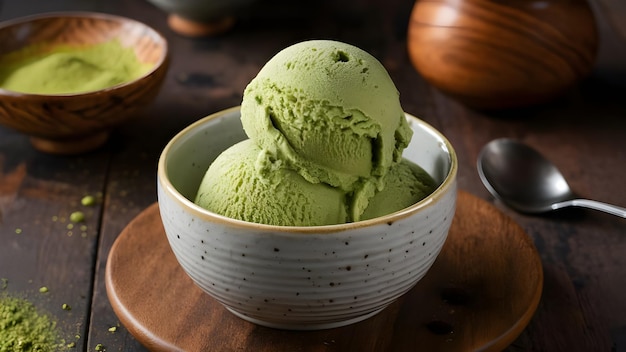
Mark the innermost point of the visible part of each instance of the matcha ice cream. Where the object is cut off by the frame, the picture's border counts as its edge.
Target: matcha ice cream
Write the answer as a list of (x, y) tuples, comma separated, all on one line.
[(233, 187), (330, 111), (326, 134)]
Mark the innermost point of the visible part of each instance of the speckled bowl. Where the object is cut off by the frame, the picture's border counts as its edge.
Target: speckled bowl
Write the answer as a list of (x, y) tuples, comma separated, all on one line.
[(301, 278)]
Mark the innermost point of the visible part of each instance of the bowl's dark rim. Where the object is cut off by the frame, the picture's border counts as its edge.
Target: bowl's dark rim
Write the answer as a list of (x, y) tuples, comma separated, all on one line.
[(163, 62)]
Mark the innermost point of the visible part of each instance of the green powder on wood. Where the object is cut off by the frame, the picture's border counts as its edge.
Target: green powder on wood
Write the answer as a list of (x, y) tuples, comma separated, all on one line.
[(67, 69), (23, 329)]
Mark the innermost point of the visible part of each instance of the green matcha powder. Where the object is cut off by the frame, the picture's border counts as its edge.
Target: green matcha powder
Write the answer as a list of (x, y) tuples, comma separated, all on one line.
[(23, 329), (67, 69)]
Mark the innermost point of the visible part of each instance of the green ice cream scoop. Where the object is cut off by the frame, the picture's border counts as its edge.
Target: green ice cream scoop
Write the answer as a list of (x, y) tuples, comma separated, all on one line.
[(406, 183), (330, 111), (234, 187)]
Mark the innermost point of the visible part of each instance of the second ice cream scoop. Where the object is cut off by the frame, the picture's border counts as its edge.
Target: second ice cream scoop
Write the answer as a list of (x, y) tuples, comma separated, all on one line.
[(233, 187)]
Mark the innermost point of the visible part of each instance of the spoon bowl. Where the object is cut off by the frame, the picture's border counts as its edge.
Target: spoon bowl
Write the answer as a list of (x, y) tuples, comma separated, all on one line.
[(528, 182)]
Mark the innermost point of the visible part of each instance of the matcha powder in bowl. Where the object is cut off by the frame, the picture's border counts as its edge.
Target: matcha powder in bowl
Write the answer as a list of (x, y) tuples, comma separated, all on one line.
[(23, 328), (70, 69)]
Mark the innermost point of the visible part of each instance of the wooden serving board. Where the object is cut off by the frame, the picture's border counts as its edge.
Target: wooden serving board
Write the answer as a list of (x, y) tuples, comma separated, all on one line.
[(479, 295)]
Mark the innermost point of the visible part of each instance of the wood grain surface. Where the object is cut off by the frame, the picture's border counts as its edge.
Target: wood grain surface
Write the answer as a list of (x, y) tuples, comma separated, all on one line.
[(479, 295), (502, 54)]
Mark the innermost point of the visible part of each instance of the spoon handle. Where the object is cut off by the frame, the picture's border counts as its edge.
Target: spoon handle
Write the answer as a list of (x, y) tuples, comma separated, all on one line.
[(592, 204)]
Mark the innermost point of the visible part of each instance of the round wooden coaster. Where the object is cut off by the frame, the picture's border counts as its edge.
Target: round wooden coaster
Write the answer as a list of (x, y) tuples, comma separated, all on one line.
[(479, 295)]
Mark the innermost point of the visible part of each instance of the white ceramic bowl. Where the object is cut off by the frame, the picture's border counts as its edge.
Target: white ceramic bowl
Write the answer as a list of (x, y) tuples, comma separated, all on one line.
[(301, 278)]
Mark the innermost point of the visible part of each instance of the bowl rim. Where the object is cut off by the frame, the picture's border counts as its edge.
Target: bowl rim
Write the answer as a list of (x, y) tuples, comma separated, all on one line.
[(447, 185), (162, 62)]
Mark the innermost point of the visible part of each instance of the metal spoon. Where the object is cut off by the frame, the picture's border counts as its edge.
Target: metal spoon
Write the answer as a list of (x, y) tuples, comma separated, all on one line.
[(526, 181)]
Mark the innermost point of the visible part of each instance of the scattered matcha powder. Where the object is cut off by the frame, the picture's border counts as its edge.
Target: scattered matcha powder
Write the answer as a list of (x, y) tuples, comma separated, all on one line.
[(66, 306), (99, 347), (18, 231), (24, 329), (113, 329), (77, 216), (88, 200), (43, 289), (5, 283)]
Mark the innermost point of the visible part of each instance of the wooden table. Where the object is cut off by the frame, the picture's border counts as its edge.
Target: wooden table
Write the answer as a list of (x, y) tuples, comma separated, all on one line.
[(583, 307)]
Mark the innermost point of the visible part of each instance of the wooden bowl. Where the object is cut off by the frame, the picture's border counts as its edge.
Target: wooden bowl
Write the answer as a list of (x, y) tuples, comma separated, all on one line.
[(502, 54), (80, 122)]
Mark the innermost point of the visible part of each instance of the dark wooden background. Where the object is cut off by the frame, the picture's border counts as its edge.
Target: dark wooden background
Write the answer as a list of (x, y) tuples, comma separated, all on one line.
[(583, 307)]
